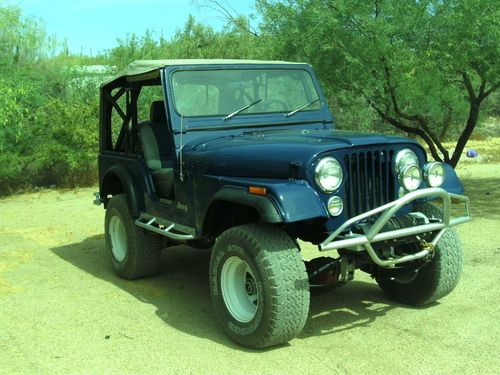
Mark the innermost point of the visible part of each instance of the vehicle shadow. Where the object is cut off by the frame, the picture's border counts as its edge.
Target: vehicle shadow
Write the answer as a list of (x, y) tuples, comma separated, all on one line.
[(181, 295), (354, 305), (180, 292)]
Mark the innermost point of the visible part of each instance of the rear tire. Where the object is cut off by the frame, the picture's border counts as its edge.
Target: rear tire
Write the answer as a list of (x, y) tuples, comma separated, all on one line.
[(437, 278), (134, 253), (259, 285)]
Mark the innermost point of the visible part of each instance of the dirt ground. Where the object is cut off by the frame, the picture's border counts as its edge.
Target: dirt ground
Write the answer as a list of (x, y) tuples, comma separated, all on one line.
[(63, 310)]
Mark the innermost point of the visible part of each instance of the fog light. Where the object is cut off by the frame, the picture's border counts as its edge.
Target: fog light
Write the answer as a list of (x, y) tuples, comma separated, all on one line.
[(434, 174), (335, 206)]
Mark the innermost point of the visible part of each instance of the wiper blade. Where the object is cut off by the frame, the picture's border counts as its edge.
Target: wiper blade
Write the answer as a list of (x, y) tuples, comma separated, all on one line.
[(301, 108), (231, 115)]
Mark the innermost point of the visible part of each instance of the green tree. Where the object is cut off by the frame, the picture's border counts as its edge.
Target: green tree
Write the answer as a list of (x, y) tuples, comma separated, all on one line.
[(134, 47), (22, 40), (425, 67), (193, 41), (48, 110), (196, 40)]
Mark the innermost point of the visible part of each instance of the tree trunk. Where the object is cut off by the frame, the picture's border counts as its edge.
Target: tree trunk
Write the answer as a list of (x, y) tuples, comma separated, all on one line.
[(446, 125), (475, 106)]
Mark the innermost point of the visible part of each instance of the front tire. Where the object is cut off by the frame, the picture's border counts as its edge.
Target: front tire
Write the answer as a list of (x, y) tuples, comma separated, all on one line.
[(437, 278), (259, 285), (134, 253)]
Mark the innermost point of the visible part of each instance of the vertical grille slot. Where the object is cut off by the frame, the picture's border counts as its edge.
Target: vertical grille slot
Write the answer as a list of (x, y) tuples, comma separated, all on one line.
[(370, 182)]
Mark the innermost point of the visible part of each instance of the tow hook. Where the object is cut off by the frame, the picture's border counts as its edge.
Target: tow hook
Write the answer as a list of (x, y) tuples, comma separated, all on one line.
[(429, 246)]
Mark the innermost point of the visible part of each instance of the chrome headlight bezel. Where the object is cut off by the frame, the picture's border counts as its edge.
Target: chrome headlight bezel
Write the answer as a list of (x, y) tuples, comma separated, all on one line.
[(410, 170), (321, 173), (405, 157), (434, 170)]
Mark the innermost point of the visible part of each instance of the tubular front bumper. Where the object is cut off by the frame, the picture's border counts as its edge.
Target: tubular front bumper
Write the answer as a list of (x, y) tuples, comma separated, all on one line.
[(360, 242)]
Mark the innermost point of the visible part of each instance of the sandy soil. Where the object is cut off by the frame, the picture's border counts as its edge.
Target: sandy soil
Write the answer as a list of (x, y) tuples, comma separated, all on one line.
[(64, 311)]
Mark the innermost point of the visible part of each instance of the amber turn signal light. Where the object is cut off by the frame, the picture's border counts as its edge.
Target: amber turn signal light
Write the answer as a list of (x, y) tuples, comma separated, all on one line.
[(257, 190)]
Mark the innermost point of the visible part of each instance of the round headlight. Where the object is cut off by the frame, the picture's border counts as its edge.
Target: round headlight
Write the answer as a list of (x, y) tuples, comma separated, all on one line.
[(434, 174), (403, 158), (335, 206), (328, 174), (410, 177)]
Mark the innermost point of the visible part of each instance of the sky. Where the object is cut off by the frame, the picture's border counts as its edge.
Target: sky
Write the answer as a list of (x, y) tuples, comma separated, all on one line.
[(93, 26)]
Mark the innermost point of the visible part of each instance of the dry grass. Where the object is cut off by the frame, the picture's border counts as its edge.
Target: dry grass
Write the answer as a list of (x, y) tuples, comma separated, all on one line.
[(488, 150)]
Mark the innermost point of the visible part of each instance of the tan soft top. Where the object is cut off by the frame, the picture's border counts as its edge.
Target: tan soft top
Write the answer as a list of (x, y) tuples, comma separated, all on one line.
[(150, 69)]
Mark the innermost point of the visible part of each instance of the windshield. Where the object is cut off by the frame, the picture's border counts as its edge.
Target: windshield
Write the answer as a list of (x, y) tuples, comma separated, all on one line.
[(236, 92)]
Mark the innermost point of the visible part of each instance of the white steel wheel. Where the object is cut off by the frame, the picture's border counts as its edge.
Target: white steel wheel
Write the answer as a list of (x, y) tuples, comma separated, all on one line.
[(259, 285), (118, 236), (239, 289)]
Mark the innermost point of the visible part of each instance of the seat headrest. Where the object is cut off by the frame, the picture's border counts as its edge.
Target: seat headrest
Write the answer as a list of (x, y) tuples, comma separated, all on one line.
[(157, 112)]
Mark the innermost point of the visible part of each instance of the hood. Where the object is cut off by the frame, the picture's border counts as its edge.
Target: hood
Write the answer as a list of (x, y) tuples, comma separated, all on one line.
[(270, 154)]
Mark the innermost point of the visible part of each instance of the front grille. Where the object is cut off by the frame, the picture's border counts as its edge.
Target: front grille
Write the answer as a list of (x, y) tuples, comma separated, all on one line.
[(370, 181)]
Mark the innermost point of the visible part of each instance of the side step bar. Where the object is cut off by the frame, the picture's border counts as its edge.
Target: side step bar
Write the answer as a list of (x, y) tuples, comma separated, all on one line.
[(169, 229)]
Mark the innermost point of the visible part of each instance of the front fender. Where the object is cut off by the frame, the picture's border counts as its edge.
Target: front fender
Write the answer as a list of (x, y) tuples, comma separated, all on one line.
[(452, 183), (297, 201), (262, 204)]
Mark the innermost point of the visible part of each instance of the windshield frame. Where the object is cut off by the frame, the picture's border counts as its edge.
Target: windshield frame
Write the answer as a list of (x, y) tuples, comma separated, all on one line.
[(249, 118), (322, 117)]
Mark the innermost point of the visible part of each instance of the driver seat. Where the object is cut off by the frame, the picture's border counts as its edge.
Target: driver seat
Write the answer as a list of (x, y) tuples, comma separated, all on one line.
[(156, 149)]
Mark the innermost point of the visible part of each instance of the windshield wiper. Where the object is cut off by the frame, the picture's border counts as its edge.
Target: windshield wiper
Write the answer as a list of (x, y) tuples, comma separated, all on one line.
[(231, 115), (301, 108)]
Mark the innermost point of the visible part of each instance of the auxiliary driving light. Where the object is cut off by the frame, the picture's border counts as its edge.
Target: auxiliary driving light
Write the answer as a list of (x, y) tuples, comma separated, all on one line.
[(434, 174), (410, 177)]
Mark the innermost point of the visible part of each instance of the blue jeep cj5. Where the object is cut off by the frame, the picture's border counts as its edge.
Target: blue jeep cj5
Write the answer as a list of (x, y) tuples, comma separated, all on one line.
[(242, 157)]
